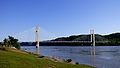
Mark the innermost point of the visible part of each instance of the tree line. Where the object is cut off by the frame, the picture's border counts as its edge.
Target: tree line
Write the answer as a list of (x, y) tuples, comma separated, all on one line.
[(10, 42), (110, 39)]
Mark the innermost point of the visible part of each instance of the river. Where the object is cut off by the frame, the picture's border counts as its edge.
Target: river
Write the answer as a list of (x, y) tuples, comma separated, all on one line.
[(106, 56)]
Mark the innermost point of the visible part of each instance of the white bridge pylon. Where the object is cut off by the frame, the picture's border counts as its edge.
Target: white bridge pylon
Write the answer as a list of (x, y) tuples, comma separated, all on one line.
[(93, 50), (37, 39), (37, 36)]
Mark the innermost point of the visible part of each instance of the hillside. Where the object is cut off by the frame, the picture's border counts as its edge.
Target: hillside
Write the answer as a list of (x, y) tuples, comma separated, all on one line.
[(87, 37), (113, 39), (81, 38)]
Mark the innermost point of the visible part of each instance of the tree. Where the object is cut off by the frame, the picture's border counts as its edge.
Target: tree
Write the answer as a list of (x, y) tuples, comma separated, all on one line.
[(11, 42), (15, 43), (0, 43), (5, 41)]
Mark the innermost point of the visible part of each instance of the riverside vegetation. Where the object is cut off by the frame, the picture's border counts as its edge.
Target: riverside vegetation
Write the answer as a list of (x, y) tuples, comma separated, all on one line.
[(10, 42)]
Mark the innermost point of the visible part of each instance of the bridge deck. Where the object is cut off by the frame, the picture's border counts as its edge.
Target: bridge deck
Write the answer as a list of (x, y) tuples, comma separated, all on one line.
[(73, 42)]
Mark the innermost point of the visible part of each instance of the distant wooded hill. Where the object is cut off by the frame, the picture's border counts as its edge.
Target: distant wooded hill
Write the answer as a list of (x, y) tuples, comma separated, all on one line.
[(111, 38)]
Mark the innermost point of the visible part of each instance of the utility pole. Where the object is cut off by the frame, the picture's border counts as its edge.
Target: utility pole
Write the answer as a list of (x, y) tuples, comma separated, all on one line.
[(37, 39)]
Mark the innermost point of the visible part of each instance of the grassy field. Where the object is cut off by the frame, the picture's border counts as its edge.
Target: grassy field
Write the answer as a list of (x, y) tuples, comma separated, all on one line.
[(11, 58)]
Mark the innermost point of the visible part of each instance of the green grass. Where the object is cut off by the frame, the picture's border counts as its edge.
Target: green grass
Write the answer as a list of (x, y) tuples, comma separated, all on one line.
[(17, 59)]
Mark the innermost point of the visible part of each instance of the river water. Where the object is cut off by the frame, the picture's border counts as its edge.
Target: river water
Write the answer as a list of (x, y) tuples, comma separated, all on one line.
[(106, 56)]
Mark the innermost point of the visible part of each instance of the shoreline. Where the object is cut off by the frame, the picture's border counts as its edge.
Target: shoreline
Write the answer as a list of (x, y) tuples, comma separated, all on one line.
[(31, 58), (56, 59), (53, 58), (71, 45)]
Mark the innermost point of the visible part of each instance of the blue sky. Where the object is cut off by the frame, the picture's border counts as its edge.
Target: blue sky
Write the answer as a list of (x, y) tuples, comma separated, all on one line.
[(58, 18)]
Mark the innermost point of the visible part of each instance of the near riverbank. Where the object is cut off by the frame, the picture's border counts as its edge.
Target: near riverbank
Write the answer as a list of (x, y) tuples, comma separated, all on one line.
[(12, 58)]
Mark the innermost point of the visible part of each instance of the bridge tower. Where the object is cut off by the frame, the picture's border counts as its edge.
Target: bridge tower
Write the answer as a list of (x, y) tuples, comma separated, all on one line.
[(93, 41), (37, 39), (93, 51)]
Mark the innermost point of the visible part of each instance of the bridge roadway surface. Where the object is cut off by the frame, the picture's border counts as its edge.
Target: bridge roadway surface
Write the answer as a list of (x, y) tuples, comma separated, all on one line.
[(73, 42)]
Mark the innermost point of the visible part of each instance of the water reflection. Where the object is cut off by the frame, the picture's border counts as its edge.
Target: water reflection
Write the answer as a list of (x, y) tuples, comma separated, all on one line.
[(37, 51)]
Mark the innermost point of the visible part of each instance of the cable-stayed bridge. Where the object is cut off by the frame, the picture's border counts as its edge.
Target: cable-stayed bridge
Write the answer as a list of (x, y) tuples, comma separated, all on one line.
[(36, 36), (30, 36)]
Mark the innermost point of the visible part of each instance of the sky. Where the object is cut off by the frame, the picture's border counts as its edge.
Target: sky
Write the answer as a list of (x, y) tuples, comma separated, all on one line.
[(57, 18)]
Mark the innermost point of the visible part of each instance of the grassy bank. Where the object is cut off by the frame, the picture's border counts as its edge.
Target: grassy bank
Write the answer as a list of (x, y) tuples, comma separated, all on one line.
[(11, 58)]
